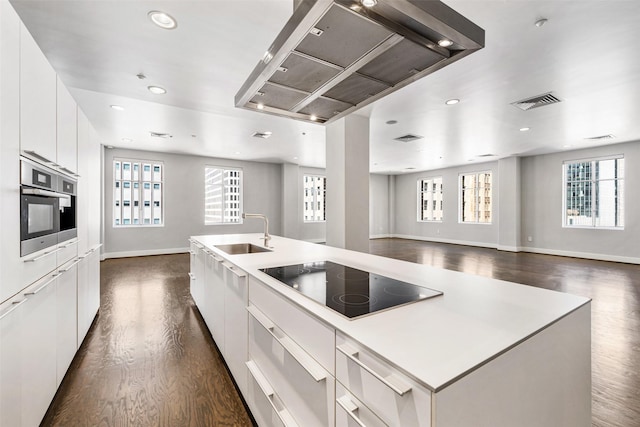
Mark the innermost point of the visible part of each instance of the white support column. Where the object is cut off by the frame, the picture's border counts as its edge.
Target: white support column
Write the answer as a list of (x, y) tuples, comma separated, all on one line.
[(509, 215), (290, 201), (348, 183)]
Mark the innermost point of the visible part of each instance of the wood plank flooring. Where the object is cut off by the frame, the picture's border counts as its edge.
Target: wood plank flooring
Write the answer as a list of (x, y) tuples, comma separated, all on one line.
[(149, 360)]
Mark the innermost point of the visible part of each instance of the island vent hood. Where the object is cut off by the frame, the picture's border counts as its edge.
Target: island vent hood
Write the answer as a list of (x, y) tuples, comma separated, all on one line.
[(335, 56)]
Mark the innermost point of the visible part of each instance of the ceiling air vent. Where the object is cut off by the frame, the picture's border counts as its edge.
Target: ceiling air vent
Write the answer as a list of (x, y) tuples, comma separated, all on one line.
[(536, 101), (486, 155), (408, 138), (263, 135), (160, 135), (598, 138)]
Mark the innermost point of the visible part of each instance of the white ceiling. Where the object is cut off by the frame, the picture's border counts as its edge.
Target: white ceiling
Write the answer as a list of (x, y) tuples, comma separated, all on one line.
[(585, 54)]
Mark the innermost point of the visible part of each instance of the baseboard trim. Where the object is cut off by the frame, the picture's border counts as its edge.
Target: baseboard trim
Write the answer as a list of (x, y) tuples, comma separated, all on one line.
[(509, 248), (315, 240), (380, 236), (145, 252), (452, 241), (583, 255)]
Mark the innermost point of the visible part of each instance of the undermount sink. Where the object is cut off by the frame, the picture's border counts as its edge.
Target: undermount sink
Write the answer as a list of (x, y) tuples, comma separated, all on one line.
[(242, 248)]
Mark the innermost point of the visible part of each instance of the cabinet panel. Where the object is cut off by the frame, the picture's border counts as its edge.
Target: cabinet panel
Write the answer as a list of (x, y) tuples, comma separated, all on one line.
[(395, 398), (88, 291), (235, 323), (66, 251), (350, 412), (67, 318), (10, 278), (38, 350), (310, 333), (84, 183), (304, 387), (37, 101), (94, 185), (214, 298), (11, 333), (265, 405), (67, 131)]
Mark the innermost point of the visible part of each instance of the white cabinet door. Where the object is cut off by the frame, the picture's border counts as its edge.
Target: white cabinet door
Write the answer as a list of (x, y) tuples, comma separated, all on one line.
[(94, 184), (236, 323), (10, 276), (88, 291), (38, 350), (82, 199), (67, 130), (215, 295), (37, 101), (11, 332), (67, 318)]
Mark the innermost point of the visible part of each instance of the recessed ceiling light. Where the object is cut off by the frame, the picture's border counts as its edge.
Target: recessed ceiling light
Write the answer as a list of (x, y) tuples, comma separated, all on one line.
[(295, 158), (117, 107), (237, 152), (313, 117), (369, 3), (157, 90), (524, 129), (127, 140), (445, 43), (452, 101), (566, 146), (162, 19), (260, 106), (108, 146)]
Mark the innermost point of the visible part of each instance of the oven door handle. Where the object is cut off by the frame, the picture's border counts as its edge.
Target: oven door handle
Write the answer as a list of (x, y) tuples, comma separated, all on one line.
[(40, 192)]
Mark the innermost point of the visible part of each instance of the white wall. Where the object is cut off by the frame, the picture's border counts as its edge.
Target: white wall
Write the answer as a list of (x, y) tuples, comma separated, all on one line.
[(542, 208), (184, 203), (449, 229)]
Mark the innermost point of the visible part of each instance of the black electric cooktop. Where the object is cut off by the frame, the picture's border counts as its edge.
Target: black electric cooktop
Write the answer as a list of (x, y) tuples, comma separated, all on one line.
[(349, 291)]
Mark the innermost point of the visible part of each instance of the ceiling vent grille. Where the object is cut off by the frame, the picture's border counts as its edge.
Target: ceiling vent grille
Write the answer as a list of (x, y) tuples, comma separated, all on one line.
[(487, 155), (160, 135), (536, 101), (263, 135), (408, 138), (598, 138)]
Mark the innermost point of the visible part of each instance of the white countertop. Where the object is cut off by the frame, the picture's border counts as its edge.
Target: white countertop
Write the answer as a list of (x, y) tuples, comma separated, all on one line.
[(436, 340)]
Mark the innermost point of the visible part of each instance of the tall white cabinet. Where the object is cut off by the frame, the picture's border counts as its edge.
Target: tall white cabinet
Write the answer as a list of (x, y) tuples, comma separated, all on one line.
[(49, 299)]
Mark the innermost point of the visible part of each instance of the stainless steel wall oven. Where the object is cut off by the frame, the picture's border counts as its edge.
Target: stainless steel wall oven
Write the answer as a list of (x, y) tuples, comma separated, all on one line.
[(47, 207)]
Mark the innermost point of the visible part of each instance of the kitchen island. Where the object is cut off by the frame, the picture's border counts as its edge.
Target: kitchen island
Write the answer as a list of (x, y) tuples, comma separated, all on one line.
[(484, 353)]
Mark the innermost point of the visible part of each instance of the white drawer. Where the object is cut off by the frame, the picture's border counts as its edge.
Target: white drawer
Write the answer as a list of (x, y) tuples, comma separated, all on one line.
[(350, 412), (314, 336), (303, 385), (395, 398), (37, 265), (67, 251), (266, 407)]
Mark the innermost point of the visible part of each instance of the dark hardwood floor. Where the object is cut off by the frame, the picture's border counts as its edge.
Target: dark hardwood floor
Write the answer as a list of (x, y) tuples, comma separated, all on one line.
[(615, 309), (149, 360)]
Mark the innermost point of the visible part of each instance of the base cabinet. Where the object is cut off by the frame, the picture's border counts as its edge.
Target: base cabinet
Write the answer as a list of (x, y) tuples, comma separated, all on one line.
[(88, 291), (235, 321), (66, 317)]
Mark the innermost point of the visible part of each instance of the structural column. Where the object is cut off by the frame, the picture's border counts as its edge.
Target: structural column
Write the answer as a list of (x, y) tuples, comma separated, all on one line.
[(347, 210), (290, 201), (509, 215)]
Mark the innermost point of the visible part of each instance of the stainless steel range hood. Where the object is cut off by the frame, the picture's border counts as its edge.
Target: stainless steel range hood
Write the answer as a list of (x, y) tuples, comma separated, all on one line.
[(335, 56)]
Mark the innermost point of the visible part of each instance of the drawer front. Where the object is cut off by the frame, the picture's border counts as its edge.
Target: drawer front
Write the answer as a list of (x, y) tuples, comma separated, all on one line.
[(38, 265), (67, 250), (312, 335), (303, 385), (350, 412), (395, 398), (266, 407)]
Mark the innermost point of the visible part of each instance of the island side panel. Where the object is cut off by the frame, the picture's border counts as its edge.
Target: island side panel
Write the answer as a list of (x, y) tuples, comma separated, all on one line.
[(544, 381)]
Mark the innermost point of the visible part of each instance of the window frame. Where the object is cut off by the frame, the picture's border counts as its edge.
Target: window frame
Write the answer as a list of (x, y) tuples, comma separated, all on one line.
[(419, 199), (315, 200), (594, 193), (240, 197), (460, 198), (140, 181)]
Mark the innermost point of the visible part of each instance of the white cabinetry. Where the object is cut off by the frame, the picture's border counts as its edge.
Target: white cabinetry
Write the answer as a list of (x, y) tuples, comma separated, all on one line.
[(38, 380), (88, 291), (37, 101), (11, 333), (67, 130), (235, 323), (67, 317), (396, 399), (213, 312), (197, 274)]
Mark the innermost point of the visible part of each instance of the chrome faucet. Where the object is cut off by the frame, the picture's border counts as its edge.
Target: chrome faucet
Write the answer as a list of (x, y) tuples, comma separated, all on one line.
[(267, 236)]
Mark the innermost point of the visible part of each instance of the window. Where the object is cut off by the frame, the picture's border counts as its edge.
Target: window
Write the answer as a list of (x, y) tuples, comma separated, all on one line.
[(475, 197), (132, 207), (315, 191), (430, 199), (222, 195), (594, 193)]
